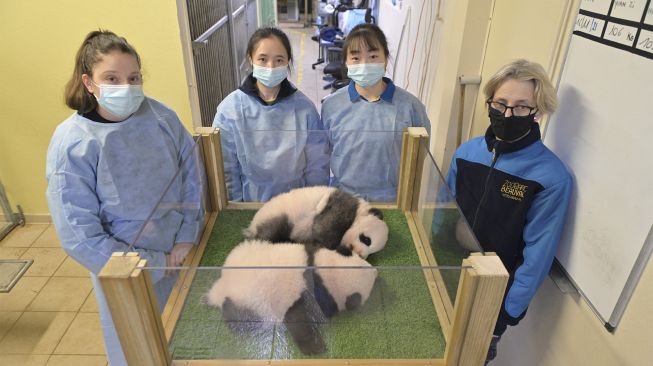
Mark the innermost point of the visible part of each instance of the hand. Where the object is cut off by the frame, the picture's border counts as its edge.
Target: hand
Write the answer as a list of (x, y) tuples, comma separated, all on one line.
[(179, 253)]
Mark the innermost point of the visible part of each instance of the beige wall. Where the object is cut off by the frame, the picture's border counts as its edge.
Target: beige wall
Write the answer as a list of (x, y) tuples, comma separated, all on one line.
[(559, 329), (516, 33), (464, 30), (39, 39)]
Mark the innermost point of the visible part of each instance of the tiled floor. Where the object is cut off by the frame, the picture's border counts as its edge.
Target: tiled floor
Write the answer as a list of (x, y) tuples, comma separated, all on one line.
[(305, 52), (50, 317)]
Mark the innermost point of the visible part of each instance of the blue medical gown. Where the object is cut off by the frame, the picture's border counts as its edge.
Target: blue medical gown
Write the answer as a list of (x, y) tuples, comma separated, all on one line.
[(105, 179), (270, 149), (365, 140)]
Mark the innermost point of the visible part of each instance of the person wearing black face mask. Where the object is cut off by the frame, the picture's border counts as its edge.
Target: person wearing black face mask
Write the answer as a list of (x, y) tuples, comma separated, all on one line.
[(512, 189)]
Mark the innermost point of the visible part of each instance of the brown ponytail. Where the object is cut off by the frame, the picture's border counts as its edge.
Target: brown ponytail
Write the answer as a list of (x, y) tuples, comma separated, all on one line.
[(96, 44)]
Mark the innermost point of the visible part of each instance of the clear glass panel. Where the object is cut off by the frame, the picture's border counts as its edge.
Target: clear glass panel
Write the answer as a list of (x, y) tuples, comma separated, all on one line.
[(273, 313), (260, 164), (179, 214), (283, 299), (442, 223)]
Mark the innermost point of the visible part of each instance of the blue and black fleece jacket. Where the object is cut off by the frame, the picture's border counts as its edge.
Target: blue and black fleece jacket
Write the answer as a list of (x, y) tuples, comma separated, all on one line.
[(515, 198)]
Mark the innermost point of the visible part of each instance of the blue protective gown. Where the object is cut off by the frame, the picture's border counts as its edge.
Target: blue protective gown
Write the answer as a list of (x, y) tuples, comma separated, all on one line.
[(104, 182), (365, 139), (270, 149)]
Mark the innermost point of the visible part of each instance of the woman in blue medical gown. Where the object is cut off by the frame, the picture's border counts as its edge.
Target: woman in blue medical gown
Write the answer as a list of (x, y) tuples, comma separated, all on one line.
[(271, 134), (111, 163), (366, 119)]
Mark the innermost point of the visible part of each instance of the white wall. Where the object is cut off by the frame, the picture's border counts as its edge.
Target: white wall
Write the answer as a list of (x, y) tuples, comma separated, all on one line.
[(561, 330), (420, 38)]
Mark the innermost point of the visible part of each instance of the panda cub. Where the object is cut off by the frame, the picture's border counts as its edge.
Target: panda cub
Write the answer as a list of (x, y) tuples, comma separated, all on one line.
[(323, 216), (301, 298)]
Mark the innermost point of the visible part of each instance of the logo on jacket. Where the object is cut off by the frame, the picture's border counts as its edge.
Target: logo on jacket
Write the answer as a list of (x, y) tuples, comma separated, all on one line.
[(513, 190)]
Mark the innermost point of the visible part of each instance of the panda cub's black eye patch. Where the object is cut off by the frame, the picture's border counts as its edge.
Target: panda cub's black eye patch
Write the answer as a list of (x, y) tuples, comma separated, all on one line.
[(365, 239)]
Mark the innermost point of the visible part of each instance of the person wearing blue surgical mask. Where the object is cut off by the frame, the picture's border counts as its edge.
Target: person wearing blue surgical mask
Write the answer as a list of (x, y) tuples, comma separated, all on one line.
[(366, 120), (271, 134), (111, 163)]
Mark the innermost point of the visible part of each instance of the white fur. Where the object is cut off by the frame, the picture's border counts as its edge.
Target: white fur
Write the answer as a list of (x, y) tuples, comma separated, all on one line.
[(371, 226), (270, 292), (343, 282), (301, 205)]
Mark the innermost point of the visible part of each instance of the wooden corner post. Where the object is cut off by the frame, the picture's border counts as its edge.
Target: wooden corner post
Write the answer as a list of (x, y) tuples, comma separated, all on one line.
[(212, 154), (479, 297), (134, 309), (410, 170)]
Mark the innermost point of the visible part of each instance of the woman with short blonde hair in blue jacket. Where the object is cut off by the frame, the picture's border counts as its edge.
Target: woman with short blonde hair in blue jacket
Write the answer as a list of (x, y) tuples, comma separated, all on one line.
[(271, 134), (366, 119)]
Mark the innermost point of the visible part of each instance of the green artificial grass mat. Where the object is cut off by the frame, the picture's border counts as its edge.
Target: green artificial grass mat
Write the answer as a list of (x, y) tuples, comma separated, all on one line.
[(398, 321)]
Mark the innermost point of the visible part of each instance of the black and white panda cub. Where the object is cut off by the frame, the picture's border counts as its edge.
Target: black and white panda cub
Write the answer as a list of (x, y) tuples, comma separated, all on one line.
[(323, 216), (301, 298)]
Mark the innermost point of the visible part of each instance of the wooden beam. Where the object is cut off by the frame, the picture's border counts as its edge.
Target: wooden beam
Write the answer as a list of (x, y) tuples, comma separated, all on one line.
[(214, 165), (410, 159), (131, 299), (480, 293), (313, 362)]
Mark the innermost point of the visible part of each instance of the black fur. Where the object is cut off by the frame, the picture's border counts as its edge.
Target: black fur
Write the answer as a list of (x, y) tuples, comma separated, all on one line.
[(239, 319), (303, 325), (324, 299), (365, 239), (353, 301), (335, 219), (376, 212), (275, 230), (344, 250), (315, 285)]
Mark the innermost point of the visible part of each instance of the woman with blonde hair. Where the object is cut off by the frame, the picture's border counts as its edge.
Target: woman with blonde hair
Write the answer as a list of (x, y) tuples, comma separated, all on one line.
[(512, 189)]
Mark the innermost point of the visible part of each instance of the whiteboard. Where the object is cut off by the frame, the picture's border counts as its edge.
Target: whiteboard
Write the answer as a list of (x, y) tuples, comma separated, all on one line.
[(603, 131)]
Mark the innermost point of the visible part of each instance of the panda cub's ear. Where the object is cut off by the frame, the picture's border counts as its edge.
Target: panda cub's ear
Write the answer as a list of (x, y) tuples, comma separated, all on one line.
[(376, 212)]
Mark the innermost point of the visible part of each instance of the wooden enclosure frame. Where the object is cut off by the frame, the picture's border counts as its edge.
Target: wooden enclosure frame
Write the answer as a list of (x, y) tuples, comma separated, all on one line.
[(467, 326)]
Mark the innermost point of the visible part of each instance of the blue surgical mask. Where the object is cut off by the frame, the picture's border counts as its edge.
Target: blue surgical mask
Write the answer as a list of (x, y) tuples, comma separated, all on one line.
[(120, 100), (366, 75), (270, 77)]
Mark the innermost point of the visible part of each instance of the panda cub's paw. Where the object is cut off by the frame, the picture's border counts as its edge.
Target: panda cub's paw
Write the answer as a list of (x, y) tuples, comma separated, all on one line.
[(344, 250)]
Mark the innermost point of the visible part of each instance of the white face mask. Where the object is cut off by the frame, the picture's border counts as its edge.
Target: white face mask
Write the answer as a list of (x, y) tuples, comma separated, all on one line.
[(366, 75), (120, 100), (270, 77)]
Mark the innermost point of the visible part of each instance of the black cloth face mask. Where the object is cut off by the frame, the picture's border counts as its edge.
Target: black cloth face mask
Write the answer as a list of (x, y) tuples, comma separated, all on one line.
[(510, 129)]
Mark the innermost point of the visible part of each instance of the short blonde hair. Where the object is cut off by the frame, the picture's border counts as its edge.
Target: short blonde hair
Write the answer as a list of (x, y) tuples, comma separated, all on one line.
[(545, 96)]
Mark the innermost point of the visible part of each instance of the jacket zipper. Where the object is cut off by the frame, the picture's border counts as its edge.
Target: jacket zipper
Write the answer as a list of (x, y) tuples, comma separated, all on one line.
[(495, 157)]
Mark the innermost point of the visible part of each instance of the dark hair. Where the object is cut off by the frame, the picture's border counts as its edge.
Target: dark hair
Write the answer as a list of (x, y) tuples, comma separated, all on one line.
[(265, 33), (366, 35), (96, 44)]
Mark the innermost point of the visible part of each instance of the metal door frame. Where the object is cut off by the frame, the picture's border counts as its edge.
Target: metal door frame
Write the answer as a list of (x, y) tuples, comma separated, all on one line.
[(189, 44), (13, 219)]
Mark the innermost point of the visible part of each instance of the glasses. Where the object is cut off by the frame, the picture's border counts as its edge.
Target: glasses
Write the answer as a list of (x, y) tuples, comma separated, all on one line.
[(499, 108)]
